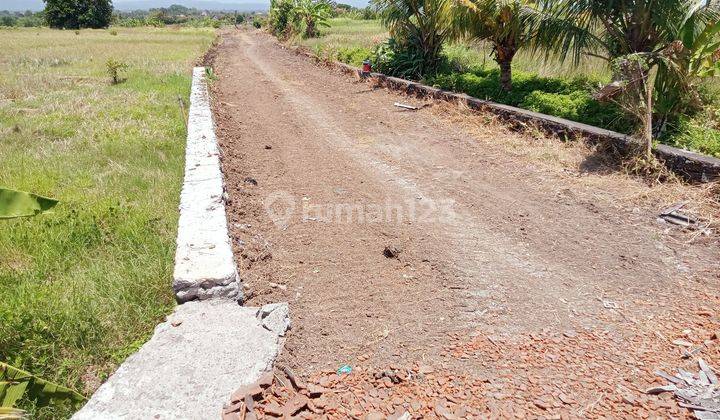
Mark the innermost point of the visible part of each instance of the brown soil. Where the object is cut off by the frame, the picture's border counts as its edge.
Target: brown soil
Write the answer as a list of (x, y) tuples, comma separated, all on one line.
[(516, 246)]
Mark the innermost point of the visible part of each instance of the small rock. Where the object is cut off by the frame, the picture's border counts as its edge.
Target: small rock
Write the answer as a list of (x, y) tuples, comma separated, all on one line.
[(425, 369), (275, 317), (273, 409), (443, 412), (629, 399), (392, 251), (660, 389), (315, 391), (399, 414), (297, 403), (250, 180), (268, 147), (566, 399), (541, 404), (375, 416)]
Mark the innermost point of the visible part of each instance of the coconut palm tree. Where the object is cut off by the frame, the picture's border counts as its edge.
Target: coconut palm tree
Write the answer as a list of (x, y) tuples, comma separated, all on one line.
[(419, 26), (611, 29), (666, 43), (506, 24)]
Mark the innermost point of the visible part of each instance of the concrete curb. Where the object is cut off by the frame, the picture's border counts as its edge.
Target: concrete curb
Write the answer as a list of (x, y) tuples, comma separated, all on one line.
[(690, 165), (209, 346), (204, 263)]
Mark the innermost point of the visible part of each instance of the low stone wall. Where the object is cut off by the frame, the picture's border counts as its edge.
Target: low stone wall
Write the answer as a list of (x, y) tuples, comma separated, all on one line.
[(692, 166)]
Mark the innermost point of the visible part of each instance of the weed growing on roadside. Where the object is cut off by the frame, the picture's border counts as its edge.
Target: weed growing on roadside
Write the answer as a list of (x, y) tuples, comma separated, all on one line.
[(210, 74)]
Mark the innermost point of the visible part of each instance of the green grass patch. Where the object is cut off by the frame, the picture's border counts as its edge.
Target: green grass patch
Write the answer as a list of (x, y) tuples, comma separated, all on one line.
[(567, 98), (82, 288)]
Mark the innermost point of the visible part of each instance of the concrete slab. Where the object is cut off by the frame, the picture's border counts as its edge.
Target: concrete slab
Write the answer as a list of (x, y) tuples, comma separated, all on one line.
[(190, 367)]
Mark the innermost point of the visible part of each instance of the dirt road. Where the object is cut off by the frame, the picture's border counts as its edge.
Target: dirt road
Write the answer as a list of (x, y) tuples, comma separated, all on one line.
[(499, 234)]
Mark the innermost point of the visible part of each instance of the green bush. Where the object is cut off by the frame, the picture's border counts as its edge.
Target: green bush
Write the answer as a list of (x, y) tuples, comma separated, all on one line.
[(565, 98), (279, 17), (353, 56), (405, 60), (578, 106), (694, 133)]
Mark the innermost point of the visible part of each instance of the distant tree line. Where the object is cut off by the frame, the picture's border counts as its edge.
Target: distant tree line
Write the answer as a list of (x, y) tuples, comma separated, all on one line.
[(352, 12), (179, 15), (27, 19), (77, 14)]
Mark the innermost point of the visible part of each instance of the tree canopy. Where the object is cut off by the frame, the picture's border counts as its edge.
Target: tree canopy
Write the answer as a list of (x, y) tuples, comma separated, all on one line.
[(76, 14)]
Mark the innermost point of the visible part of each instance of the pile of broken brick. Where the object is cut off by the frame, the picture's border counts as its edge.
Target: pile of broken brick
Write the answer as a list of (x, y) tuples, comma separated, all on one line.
[(585, 372), (392, 393)]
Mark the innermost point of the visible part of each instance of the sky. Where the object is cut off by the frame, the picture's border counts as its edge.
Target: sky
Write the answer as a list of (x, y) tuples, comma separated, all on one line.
[(242, 5)]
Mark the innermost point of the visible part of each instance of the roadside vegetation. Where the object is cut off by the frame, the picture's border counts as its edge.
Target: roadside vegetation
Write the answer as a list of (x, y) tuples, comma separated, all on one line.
[(93, 119), (650, 70)]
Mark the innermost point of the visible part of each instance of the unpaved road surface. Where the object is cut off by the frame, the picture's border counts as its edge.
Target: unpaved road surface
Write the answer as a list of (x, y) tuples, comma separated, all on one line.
[(533, 255)]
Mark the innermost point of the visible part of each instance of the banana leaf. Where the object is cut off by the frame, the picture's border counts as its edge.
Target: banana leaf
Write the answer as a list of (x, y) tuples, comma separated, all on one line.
[(23, 204), (16, 383), (7, 413)]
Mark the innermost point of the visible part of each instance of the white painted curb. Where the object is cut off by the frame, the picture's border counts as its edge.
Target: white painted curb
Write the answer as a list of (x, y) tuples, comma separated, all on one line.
[(204, 264)]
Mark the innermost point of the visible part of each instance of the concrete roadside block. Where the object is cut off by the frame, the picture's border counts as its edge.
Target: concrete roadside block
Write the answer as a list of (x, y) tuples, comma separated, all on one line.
[(204, 263), (190, 367)]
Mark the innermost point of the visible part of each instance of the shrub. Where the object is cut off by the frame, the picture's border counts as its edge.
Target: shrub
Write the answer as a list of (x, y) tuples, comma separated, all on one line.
[(405, 60), (114, 68), (694, 133), (353, 56), (257, 23), (279, 17), (577, 106)]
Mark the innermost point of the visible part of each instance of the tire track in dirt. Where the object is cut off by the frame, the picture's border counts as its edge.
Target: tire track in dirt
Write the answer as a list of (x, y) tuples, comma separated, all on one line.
[(520, 255)]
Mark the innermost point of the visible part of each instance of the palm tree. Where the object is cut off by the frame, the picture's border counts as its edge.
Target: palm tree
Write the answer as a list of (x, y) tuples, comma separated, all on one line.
[(419, 25), (611, 29), (506, 24), (673, 39), (311, 13)]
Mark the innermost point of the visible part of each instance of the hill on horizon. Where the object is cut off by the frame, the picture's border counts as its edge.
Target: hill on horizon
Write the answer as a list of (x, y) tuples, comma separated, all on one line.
[(126, 5)]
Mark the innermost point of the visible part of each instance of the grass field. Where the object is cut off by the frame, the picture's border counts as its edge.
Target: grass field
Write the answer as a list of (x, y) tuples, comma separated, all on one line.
[(542, 84), (83, 288)]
